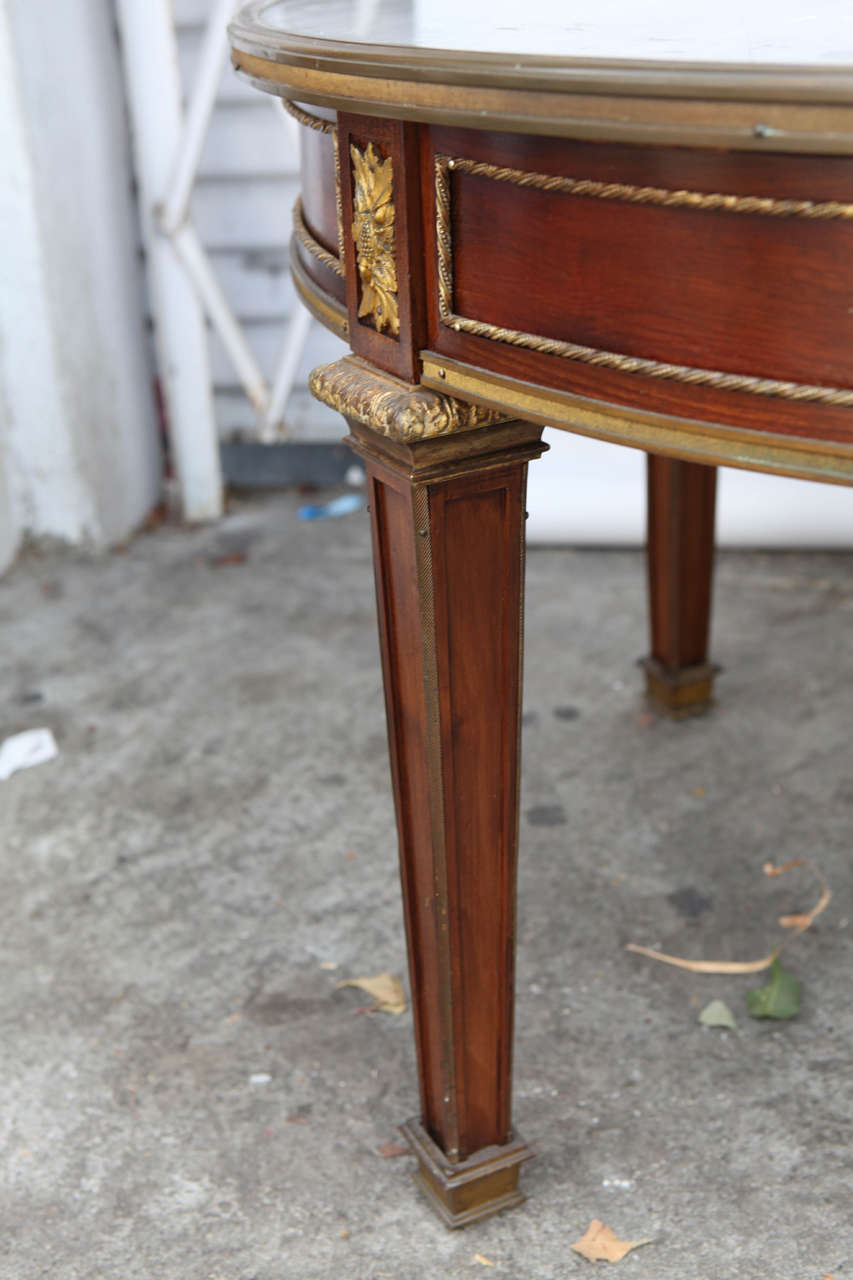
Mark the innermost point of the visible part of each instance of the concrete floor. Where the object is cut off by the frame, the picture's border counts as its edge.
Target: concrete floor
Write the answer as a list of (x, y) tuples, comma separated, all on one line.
[(184, 1093)]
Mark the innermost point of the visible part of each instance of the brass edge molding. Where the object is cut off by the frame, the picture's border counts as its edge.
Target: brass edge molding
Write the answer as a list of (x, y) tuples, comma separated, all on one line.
[(718, 380), (305, 238), (393, 408), (305, 118), (690, 439), (373, 230), (806, 114), (323, 306)]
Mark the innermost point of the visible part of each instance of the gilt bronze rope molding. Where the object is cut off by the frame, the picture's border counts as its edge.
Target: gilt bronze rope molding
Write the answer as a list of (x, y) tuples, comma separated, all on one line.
[(305, 238), (622, 363), (319, 125)]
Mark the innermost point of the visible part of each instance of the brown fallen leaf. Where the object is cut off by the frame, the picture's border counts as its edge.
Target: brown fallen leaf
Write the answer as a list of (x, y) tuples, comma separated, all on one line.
[(600, 1244), (484, 1262), (390, 1150), (387, 992), (796, 923)]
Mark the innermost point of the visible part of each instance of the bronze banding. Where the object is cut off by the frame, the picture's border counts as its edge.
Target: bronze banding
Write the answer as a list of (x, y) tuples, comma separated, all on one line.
[(305, 118), (719, 380), (691, 439), (323, 306), (320, 125), (793, 110), (305, 238), (766, 206)]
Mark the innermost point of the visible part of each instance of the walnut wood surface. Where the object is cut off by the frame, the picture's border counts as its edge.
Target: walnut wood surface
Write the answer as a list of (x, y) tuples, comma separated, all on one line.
[(448, 554)]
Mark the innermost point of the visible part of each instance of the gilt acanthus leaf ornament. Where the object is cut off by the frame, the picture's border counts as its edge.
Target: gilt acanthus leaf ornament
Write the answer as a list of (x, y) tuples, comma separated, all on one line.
[(373, 233), (393, 408)]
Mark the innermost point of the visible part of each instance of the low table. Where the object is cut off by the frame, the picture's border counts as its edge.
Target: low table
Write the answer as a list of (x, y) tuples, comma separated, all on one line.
[(654, 252)]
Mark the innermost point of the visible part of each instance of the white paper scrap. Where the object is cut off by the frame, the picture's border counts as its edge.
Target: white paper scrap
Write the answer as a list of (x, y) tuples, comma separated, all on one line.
[(24, 750)]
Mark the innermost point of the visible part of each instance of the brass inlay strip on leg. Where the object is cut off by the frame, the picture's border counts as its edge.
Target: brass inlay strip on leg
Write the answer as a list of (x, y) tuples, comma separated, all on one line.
[(432, 725), (693, 376)]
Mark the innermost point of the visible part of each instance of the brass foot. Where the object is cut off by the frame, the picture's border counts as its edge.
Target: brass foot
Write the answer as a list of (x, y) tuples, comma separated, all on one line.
[(464, 1192), (685, 691)]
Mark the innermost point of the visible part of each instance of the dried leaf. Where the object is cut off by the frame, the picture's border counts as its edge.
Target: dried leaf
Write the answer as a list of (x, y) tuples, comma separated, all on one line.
[(779, 999), (718, 1014), (484, 1262), (387, 992), (797, 923), (600, 1244), (799, 920), (389, 1150)]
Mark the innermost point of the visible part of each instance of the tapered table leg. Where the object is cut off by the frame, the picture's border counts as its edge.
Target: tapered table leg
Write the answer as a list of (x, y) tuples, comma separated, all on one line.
[(448, 538), (680, 548)]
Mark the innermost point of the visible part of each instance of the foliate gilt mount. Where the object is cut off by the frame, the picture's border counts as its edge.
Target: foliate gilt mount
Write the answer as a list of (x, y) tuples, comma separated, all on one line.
[(393, 408), (373, 233)]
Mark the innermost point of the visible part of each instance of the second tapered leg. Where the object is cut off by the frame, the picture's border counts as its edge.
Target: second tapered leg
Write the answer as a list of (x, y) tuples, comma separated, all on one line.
[(680, 548)]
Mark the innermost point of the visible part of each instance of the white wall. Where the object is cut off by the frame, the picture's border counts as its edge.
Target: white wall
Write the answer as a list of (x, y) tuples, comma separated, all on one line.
[(585, 492), (78, 425)]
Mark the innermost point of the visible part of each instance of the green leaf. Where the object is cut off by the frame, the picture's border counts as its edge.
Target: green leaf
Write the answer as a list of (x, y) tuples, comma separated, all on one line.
[(779, 999), (718, 1014)]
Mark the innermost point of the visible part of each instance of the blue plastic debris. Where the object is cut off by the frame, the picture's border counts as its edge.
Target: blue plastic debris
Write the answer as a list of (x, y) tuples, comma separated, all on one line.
[(343, 506)]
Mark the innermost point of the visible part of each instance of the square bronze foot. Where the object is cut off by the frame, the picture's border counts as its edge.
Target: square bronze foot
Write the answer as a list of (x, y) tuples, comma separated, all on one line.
[(471, 1189), (686, 691)]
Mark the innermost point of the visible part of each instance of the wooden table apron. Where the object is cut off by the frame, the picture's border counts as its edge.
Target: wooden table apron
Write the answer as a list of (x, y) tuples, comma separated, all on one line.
[(692, 300)]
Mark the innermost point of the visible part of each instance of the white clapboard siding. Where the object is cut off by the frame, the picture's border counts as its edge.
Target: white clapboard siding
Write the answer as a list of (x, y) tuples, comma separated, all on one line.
[(247, 139), (234, 89), (256, 281), (243, 212), (266, 339), (242, 204)]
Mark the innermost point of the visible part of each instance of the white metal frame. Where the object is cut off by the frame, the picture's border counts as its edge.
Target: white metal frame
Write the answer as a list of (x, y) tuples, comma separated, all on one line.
[(184, 285)]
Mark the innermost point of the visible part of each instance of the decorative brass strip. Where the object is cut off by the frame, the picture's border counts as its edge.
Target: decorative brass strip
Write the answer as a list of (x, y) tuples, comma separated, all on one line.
[(687, 438), (394, 408), (766, 206), (320, 126), (374, 218), (305, 238), (305, 118), (717, 379), (323, 306)]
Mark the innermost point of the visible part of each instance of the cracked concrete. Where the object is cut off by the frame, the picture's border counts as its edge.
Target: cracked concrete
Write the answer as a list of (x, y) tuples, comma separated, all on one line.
[(184, 1092)]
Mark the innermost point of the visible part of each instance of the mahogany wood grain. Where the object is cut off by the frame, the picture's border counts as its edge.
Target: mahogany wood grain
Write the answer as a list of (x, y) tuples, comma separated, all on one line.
[(448, 553), (318, 185), (398, 355), (651, 281), (681, 502)]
